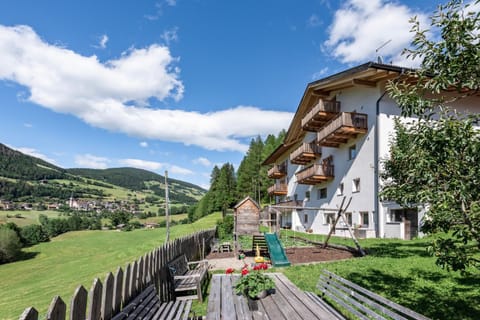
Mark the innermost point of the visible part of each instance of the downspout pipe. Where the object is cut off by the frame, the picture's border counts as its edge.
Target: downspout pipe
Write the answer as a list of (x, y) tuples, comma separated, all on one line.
[(376, 155), (376, 150)]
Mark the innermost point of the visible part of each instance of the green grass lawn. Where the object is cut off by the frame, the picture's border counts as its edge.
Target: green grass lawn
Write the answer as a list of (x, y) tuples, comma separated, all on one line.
[(403, 272), (26, 216), (59, 266)]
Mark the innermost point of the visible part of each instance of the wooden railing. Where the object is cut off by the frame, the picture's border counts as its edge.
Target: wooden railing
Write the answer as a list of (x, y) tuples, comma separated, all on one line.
[(358, 122), (315, 174), (306, 152), (321, 106), (107, 299), (277, 171), (278, 189)]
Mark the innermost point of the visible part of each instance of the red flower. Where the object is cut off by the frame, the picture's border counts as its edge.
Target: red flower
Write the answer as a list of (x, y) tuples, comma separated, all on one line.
[(244, 272), (264, 266), (256, 267), (229, 270)]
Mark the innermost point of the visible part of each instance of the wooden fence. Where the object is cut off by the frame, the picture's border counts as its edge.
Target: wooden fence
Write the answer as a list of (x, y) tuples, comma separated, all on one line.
[(106, 299)]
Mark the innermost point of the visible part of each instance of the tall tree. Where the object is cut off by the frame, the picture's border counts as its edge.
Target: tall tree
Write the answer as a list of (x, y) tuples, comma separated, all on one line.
[(248, 181), (434, 161)]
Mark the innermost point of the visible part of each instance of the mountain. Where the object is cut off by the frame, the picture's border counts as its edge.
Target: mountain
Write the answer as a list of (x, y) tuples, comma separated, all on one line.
[(26, 177), (142, 180), (16, 165)]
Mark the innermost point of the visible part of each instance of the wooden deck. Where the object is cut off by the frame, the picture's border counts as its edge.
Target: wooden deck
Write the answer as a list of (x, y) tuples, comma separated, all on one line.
[(287, 302)]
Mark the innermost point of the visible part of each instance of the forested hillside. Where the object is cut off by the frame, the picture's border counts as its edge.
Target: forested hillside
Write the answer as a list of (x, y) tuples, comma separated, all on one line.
[(26, 178), (139, 180), (16, 165)]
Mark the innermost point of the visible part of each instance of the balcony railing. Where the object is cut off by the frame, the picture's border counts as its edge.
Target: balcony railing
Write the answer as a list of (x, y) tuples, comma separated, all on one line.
[(320, 114), (277, 171), (345, 126), (306, 153), (315, 174), (278, 189)]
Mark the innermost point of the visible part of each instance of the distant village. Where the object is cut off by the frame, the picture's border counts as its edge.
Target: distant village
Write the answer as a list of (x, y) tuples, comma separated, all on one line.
[(76, 205)]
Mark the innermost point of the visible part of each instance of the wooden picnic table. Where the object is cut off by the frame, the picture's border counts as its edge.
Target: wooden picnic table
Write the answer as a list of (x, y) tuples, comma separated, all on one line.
[(286, 302)]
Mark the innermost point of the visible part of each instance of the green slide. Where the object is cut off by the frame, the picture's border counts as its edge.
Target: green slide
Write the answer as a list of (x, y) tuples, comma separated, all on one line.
[(277, 253)]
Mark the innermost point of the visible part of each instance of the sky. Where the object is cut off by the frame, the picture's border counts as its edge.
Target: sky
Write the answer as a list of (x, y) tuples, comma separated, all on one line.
[(176, 85)]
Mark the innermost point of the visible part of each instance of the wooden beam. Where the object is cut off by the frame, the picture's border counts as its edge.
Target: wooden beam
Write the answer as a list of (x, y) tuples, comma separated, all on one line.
[(365, 83), (321, 93)]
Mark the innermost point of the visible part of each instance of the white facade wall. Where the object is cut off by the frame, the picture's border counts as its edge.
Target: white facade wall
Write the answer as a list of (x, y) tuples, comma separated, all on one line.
[(361, 100)]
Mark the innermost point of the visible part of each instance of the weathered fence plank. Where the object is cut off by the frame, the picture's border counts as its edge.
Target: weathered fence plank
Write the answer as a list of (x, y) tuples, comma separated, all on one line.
[(96, 300), (117, 291), (127, 291), (57, 309), (78, 304), (133, 280), (107, 297), (29, 314)]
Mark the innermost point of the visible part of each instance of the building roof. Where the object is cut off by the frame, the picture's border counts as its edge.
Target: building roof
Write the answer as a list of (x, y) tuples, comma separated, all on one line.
[(367, 75), (246, 199)]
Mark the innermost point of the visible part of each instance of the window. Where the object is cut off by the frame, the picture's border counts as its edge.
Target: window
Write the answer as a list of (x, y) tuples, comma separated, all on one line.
[(396, 215), (340, 189), (305, 218), (356, 185), (307, 195), (364, 219), (352, 152), (322, 193), (295, 197), (329, 218), (348, 216)]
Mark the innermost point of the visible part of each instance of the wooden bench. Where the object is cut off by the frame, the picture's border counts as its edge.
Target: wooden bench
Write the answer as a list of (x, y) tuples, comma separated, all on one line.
[(360, 302), (148, 306), (188, 276)]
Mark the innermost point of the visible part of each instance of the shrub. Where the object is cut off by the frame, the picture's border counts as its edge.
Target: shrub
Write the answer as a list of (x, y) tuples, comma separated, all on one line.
[(9, 245), (33, 234), (225, 227)]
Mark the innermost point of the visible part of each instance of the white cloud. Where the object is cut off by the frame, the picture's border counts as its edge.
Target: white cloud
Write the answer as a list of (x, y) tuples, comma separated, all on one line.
[(320, 73), (171, 3), (103, 41), (141, 164), (154, 166), (113, 95), (203, 161), (91, 161), (361, 26), (170, 36), (34, 153), (143, 144), (27, 125)]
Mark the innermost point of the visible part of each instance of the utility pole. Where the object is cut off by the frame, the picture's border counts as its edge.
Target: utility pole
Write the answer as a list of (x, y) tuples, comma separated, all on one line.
[(167, 218)]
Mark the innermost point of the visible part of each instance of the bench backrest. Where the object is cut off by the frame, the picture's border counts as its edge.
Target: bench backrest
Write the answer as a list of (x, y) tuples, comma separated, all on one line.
[(178, 266), (361, 302)]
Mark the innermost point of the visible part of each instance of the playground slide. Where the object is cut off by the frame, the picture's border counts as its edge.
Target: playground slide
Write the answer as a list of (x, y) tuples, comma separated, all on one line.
[(277, 253)]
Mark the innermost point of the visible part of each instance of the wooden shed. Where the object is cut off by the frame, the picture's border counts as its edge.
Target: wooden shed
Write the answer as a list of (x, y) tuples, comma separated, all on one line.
[(247, 217)]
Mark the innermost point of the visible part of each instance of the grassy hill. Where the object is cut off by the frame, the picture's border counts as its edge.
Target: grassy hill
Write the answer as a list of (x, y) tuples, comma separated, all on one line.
[(29, 179), (59, 266)]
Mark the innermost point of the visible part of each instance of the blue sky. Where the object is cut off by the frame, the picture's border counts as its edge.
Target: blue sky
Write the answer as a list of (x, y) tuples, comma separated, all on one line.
[(177, 85)]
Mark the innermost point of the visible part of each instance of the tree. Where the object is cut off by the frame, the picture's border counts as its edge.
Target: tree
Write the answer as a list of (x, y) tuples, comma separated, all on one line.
[(33, 234), (10, 245), (434, 160)]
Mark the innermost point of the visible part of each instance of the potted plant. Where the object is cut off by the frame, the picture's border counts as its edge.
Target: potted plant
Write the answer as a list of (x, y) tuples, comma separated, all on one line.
[(254, 284)]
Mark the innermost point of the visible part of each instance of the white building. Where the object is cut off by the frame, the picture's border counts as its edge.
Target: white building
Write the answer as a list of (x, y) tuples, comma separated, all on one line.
[(333, 149)]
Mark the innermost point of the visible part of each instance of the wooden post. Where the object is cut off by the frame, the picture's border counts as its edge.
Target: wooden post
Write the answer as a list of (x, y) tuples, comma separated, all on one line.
[(167, 222), (78, 304), (336, 220)]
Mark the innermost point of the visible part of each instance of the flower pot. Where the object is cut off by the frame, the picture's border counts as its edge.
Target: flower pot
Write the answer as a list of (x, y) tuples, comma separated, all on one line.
[(262, 294)]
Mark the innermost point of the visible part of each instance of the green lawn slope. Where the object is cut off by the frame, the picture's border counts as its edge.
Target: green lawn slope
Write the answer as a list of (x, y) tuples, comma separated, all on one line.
[(74, 258)]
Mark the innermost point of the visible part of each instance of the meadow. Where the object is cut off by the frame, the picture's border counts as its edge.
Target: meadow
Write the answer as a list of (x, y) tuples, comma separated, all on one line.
[(26, 217), (400, 270), (59, 266)]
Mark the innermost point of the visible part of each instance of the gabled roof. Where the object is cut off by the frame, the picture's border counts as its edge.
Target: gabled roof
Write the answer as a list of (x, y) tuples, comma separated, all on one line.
[(367, 75), (246, 199)]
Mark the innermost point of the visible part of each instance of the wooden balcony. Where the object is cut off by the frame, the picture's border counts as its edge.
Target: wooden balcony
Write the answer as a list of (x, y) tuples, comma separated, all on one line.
[(277, 171), (321, 113), (345, 126), (306, 153), (315, 174), (278, 189)]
